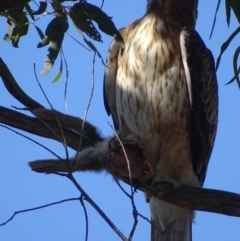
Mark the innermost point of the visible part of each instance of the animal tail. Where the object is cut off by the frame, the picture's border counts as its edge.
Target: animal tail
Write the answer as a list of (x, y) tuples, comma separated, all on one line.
[(169, 222), (90, 159)]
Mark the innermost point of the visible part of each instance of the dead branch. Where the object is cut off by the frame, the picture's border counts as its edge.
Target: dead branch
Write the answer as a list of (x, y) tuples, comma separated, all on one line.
[(15, 90), (71, 125)]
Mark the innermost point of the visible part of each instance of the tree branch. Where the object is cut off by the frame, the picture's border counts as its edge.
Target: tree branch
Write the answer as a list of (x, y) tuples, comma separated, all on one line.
[(34, 126), (71, 125), (15, 90), (202, 199)]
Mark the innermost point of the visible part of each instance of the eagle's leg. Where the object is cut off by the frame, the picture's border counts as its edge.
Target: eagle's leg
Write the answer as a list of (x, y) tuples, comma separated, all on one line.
[(159, 178), (156, 179)]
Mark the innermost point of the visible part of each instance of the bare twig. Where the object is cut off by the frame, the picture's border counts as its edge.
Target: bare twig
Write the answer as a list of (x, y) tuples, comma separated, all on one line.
[(36, 208), (63, 140), (102, 4), (95, 206), (30, 139), (90, 98), (66, 80), (78, 41), (134, 211), (88, 107), (86, 215)]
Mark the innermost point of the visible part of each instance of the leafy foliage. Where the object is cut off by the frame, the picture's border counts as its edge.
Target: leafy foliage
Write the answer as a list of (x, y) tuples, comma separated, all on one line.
[(17, 24), (230, 5), (82, 15)]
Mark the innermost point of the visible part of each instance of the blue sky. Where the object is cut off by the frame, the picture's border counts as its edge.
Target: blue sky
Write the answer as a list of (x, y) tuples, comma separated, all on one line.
[(22, 188)]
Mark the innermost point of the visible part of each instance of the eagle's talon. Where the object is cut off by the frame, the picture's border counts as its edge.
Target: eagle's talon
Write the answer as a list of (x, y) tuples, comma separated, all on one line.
[(160, 179), (114, 142), (156, 180)]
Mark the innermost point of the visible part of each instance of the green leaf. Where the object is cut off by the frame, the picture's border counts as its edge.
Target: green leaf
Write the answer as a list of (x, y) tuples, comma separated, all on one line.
[(40, 33), (29, 10), (93, 48), (54, 36), (83, 23), (23, 22), (19, 30), (44, 42), (104, 22), (225, 46), (42, 8), (15, 12), (233, 78), (6, 38), (228, 10), (59, 23), (51, 27), (17, 24), (215, 18), (235, 67), (59, 73), (232, 5), (235, 5), (83, 11)]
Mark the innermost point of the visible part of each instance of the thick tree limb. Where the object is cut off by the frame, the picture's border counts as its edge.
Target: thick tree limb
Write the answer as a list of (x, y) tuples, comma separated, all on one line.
[(34, 126), (189, 197), (201, 199), (47, 122), (15, 90)]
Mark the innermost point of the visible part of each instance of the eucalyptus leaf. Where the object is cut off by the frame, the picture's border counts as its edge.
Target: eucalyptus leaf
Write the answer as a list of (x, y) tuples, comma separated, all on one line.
[(228, 10), (215, 18), (59, 73), (39, 31), (19, 30), (233, 78), (104, 22), (48, 64), (44, 42), (83, 23), (42, 8), (54, 37), (225, 45), (15, 12), (235, 5), (235, 67), (57, 76), (17, 24), (6, 38), (29, 10), (94, 49), (82, 15)]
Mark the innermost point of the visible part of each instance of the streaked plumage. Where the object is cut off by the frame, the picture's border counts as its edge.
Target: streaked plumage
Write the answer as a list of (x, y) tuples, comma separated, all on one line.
[(162, 90)]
